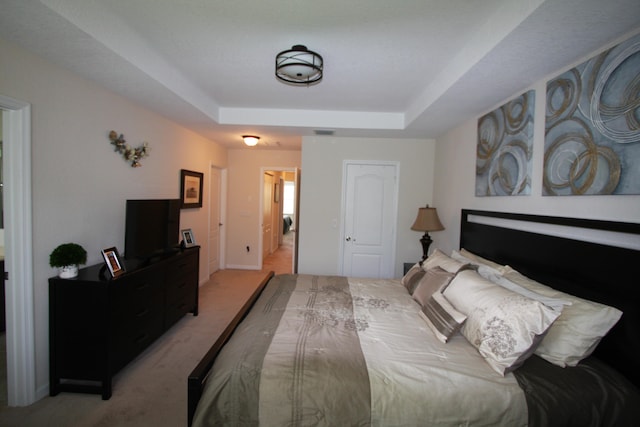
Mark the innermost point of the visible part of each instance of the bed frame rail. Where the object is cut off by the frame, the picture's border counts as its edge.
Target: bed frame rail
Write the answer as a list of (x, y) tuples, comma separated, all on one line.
[(198, 377)]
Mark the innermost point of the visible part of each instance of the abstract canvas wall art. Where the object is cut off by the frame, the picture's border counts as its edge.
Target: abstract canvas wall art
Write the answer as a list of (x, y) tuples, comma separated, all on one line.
[(503, 153), (592, 126)]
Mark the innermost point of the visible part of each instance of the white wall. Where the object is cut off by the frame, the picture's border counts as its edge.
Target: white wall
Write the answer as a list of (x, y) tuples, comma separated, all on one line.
[(1, 230), (80, 184), (455, 180), (244, 201), (321, 198)]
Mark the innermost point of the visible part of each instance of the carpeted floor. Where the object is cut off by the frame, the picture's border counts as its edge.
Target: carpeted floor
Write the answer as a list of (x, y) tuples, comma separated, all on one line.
[(152, 390)]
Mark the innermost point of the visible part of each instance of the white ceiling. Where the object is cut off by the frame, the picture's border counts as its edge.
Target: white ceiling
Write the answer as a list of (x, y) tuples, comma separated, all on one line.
[(403, 69)]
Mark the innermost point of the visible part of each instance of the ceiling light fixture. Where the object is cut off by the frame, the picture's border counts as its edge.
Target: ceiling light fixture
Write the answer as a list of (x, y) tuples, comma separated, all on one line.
[(299, 66), (251, 140)]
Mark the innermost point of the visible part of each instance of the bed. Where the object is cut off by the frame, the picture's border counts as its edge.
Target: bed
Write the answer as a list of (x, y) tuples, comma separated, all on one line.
[(287, 222), (326, 350)]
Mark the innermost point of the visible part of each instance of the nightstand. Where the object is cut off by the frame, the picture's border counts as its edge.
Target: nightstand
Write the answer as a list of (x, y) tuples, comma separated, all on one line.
[(407, 266)]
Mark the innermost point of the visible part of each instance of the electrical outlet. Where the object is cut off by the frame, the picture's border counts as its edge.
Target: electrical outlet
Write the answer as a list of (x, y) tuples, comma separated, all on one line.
[(248, 249)]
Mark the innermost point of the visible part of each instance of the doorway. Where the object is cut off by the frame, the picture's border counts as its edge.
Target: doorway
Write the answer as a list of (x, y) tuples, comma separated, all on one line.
[(20, 334), (217, 208), (3, 328), (279, 219)]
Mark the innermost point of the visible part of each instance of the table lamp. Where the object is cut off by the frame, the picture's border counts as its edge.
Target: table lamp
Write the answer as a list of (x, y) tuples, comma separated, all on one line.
[(427, 220)]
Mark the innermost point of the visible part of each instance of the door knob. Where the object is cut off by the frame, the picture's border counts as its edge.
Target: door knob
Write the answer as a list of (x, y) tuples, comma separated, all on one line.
[(349, 239)]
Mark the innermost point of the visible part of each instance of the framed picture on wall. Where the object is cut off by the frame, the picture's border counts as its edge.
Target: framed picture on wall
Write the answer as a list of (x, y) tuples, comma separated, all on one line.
[(190, 189), (112, 261)]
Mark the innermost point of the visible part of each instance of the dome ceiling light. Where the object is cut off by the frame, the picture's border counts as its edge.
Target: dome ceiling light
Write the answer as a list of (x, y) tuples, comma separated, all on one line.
[(251, 140), (299, 66)]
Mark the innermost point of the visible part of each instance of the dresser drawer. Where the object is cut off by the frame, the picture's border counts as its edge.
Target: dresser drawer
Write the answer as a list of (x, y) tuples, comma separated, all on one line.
[(184, 264), (138, 287), (179, 286), (135, 328), (178, 307)]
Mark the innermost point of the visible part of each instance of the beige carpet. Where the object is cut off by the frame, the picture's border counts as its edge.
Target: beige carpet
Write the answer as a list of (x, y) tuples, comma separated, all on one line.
[(151, 390)]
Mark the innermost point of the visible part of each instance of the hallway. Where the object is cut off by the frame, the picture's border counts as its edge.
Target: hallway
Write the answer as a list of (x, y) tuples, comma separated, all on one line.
[(281, 261)]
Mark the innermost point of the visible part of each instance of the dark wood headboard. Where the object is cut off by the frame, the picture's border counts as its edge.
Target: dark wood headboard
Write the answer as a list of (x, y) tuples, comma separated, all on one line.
[(594, 271)]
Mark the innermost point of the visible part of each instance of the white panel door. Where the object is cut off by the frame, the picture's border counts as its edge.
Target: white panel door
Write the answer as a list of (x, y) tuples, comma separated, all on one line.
[(214, 222), (370, 210)]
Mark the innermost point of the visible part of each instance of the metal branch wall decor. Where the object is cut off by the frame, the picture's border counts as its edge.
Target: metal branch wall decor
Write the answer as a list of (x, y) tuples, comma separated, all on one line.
[(592, 127), (503, 154), (130, 154)]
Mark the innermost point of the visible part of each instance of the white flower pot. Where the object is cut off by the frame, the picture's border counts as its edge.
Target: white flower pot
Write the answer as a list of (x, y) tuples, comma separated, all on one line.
[(68, 271)]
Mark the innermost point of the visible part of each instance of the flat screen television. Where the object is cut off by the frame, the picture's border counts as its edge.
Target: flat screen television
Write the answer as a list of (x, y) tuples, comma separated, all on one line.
[(152, 227)]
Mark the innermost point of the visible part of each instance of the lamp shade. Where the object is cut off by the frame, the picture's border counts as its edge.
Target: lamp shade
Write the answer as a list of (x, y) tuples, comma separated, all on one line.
[(250, 140), (427, 220), (299, 65)]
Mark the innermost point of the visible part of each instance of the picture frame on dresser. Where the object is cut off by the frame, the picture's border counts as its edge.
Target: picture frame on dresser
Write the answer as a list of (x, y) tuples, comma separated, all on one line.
[(188, 241), (113, 262)]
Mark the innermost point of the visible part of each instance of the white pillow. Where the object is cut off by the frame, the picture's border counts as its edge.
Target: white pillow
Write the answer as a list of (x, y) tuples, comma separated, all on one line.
[(477, 259), (579, 328), (486, 271), (441, 317), (557, 304), (439, 259), (504, 326)]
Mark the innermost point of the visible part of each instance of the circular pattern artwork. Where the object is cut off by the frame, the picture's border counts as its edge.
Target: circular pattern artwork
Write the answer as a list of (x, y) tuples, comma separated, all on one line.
[(503, 157), (592, 126)]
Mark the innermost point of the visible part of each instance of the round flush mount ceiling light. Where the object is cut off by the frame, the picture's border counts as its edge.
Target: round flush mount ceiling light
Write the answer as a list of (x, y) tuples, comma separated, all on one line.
[(299, 66), (251, 140)]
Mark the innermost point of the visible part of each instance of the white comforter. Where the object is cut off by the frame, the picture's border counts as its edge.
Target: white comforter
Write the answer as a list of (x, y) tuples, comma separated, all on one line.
[(390, 371), (418, 380)]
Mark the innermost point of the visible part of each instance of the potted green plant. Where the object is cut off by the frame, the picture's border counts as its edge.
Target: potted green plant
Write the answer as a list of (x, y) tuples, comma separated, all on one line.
[(66, 257)]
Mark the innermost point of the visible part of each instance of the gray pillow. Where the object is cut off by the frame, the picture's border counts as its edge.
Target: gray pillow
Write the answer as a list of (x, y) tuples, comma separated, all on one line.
[(435, 279), (413, 276)]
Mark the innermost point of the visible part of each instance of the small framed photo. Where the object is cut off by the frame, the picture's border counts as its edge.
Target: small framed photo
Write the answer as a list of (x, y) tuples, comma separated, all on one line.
[(190, 189), (187, 238), (112, 260)]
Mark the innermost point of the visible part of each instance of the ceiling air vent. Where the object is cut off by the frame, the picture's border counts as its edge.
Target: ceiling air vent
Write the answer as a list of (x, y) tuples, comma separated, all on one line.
[(324, 132)]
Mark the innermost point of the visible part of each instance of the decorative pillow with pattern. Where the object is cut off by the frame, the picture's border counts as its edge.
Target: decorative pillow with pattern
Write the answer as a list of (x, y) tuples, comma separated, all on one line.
[(504, 326)]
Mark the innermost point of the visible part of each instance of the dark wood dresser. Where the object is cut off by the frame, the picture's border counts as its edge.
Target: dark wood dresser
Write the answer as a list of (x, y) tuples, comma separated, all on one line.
[(97, 325)]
